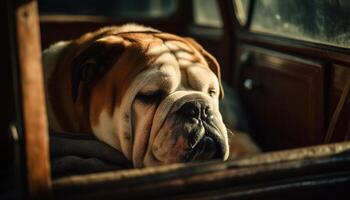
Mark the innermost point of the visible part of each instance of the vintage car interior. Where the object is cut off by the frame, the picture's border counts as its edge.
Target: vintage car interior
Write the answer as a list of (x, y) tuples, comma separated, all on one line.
[(286, 62)]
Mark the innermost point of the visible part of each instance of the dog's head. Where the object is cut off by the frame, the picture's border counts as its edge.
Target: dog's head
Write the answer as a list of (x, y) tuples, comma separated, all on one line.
[(152, 95)]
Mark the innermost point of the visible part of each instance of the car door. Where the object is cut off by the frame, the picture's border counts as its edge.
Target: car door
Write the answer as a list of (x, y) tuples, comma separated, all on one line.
[(291, 66)]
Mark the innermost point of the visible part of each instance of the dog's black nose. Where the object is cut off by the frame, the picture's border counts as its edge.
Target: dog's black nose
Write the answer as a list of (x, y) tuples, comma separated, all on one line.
[(191, 109), (196, 109)]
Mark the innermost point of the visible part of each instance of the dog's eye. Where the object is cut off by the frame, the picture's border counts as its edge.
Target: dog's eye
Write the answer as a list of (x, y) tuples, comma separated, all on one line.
[(212, 93), (150, 97)]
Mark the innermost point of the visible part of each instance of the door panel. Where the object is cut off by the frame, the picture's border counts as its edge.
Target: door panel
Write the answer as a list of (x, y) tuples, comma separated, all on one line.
[(339, 76), (284, 96)]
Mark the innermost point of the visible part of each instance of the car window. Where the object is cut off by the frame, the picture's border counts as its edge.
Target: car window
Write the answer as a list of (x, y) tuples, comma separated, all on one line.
[(111, 8), (206, 13), (321, 21)]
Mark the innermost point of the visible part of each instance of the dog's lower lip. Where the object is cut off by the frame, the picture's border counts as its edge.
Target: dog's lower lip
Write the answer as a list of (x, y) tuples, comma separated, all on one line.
[(200, 151)]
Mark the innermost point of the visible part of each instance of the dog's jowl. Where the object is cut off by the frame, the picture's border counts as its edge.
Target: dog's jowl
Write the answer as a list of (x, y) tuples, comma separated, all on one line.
[(151, 95)]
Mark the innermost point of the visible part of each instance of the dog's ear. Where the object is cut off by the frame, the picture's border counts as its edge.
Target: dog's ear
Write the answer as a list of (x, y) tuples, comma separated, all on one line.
[(94, 61), (212, 62)]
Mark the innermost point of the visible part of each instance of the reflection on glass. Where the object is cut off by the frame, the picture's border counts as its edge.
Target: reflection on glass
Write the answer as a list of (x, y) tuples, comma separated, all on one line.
[(206, 13), (322, 21)]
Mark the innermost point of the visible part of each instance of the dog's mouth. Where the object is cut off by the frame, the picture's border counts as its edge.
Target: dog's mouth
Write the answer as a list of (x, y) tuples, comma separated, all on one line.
[(207, 148)]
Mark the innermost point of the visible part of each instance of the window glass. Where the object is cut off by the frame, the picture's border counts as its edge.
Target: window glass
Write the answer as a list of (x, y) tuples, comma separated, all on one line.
[(206, 13), (323, 21), (241, 10), (128, 8)]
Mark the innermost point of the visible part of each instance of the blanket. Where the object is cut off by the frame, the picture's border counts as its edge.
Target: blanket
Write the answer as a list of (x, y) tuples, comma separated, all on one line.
[(77, 153)]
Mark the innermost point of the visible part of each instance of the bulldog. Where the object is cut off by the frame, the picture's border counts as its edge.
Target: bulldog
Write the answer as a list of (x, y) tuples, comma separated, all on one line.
[(151, 95)]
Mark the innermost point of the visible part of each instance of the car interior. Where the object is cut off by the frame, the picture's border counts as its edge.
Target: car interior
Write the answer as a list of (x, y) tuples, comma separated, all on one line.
[(286, 72)]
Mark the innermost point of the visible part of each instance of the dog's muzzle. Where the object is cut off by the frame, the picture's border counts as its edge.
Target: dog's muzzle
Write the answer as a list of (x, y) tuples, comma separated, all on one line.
[(203, 136)]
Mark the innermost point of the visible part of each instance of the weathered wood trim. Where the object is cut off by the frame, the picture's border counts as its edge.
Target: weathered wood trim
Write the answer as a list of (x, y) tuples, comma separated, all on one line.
[(242, 176), (35, 126)]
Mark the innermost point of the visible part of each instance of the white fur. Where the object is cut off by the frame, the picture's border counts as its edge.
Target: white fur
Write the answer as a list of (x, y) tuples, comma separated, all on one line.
[(104, 129), (135, 28), (157, 50)]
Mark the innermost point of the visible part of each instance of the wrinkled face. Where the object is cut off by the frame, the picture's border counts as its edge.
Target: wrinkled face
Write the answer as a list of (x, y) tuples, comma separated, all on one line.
[(167, 113)]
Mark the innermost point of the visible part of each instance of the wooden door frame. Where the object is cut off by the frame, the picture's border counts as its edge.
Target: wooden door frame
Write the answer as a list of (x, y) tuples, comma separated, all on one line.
[(31, 124)]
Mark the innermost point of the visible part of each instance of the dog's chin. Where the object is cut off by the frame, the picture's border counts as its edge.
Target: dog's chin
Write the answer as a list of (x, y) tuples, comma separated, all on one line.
[(208, 148), (209, 145)]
